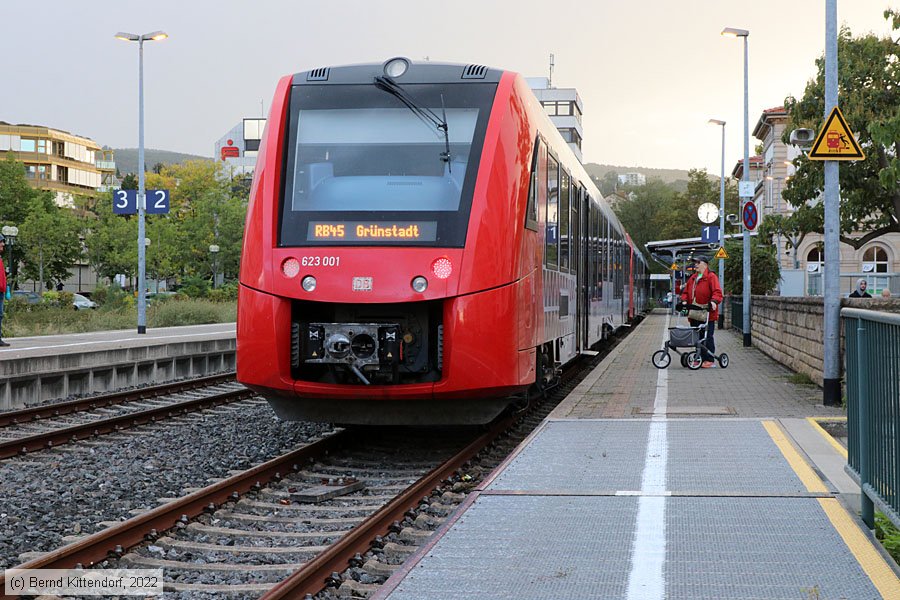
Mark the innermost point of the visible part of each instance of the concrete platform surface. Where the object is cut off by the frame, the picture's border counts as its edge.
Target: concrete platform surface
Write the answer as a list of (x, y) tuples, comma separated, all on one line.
[(628, 491), (69, 343)]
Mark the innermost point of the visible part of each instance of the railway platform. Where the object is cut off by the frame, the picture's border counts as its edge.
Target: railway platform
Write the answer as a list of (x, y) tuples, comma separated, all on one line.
[(651, 484), (38, 368)]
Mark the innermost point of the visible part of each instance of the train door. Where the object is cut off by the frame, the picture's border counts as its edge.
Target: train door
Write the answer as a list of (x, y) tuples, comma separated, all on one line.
[(576, 250), (585, 275)]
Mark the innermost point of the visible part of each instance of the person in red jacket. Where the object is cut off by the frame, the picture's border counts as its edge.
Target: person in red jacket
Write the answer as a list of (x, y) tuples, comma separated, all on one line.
[(704, 289), (2, 286)]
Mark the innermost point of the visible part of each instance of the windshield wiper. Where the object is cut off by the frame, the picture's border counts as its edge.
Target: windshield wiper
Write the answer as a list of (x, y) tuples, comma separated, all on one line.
[(425, 114)]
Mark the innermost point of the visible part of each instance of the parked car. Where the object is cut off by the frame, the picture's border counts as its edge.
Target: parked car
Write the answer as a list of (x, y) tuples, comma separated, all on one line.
[(82, 303), (29, 297)]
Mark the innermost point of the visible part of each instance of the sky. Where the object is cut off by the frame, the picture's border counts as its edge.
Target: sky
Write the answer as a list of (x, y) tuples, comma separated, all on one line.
[(650, 73)]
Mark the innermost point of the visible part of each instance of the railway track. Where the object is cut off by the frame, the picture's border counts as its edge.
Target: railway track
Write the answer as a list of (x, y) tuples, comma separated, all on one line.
[(269, 531), (31, 429)]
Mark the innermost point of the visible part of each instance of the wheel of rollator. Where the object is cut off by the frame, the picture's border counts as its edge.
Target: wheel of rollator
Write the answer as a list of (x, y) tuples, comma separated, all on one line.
[(723, 360), (684, 358), (661, 359), (694, 361)]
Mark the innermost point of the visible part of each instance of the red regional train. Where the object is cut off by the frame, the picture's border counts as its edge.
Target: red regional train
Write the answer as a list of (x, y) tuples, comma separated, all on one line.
[(421, 247)]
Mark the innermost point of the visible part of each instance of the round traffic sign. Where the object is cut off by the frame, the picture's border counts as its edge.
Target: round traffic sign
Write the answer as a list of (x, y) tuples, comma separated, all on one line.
[(750, 215)]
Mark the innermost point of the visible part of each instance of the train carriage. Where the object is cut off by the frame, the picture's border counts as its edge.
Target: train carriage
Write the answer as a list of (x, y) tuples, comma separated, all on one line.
[(421, 247)]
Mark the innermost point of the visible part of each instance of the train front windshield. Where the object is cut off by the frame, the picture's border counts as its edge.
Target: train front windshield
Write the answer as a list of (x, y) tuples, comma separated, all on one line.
[(362, 168)]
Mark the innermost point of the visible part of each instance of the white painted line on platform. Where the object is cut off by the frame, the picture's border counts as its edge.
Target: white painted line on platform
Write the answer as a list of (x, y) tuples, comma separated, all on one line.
[(646, 581), (133, 339)]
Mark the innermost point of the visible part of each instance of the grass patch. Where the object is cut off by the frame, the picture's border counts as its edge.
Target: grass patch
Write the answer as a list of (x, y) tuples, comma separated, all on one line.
[(39, 319), (801, 379), (888, 535)]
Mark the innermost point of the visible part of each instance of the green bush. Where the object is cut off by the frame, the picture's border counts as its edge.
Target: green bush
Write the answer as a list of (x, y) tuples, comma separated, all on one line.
[(194, 287), (23, 319), (191, 312), (888, 535), (226, 293), (110, 297)]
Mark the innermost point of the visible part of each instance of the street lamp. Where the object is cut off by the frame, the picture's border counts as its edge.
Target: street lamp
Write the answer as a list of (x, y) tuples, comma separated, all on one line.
[(745, 180), (142, 292), (214, 252), (721, 201), (10, 232)]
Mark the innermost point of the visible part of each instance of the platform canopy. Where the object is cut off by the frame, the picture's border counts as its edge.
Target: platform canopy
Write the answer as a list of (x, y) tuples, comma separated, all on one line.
[(667, 252)]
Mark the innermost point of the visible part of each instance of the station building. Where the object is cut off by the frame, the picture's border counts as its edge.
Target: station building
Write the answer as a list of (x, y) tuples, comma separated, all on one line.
[(803, 261), (58, 161)]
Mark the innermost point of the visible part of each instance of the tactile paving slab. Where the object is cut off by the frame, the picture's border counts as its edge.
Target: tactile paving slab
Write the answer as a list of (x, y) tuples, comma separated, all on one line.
[(579, 456), (758, 548), (730, 457), (529, 548)]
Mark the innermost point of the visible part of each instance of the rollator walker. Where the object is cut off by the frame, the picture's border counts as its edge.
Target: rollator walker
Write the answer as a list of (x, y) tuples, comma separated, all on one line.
[(692, 339)]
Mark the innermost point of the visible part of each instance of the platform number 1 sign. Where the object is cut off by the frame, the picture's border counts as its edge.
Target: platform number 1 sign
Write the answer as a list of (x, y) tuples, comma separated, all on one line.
[(125, 202)]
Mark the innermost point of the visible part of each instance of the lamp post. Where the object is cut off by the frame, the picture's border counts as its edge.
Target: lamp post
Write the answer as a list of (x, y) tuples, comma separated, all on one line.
[(142, 291), (721, 201), (745, 179), (214, 256), (10, 232)]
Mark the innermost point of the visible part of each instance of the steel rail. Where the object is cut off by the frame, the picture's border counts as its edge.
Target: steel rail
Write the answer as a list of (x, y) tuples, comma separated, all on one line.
[(83, 431), (33, 413), (117, 539), (310, 579)]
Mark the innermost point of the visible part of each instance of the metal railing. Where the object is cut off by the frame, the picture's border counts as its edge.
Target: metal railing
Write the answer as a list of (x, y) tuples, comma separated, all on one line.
[(876, 283), (737, 313), (872, 341)]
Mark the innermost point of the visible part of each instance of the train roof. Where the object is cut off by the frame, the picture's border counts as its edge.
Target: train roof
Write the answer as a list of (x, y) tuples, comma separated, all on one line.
[(402, 70)]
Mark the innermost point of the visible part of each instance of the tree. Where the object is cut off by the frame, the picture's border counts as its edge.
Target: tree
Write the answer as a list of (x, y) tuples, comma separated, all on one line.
[(49, 237), (16, 201), (130, 182), (763, 267), (868, 75), (111, 239), (640, 213)]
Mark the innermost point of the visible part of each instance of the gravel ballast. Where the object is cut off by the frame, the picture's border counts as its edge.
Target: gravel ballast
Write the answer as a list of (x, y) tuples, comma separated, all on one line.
[(68, 491)]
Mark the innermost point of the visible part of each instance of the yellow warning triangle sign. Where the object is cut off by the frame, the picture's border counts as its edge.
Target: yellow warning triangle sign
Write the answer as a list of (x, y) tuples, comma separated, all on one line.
[(835, 141), (674, 267), (721, 253)]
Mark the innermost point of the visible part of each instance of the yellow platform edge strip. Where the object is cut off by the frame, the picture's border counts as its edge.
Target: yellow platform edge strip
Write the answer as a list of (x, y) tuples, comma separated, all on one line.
[(872, 562), (837, 446), (809, 478)]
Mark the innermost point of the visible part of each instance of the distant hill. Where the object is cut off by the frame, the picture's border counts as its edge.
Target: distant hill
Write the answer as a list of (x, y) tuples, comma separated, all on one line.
[(667, 175), (127, 158)]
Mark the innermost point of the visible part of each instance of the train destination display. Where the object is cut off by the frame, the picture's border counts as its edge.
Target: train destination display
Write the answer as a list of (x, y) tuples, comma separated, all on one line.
[(361, 231)]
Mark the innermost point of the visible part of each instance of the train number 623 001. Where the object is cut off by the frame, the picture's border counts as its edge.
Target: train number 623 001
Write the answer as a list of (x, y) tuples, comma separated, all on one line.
[(321, 261)]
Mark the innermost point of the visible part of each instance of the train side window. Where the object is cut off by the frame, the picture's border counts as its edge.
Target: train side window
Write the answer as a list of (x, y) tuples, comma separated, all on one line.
[(551, 250), (600, 250), (591, 236), (565, 183), (531, 216)]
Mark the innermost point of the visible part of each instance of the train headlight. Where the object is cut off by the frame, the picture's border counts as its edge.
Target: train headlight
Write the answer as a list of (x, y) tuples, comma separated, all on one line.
[(396, 67), (442, 268), (309, 283), (420, 284), (290, 267)]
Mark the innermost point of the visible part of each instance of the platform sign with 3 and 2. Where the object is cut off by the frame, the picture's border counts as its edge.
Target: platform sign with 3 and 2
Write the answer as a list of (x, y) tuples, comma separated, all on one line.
[(125, 202)]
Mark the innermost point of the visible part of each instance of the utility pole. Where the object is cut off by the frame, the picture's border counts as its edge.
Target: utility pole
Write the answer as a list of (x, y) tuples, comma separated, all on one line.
[(550, 80), (832, 315)]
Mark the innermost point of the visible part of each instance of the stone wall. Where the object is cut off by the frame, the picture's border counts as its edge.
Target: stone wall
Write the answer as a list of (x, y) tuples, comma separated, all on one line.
[(791, 330)]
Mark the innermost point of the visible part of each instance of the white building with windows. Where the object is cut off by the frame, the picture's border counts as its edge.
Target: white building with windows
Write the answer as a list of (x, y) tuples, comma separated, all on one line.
[(238, 148), (632, 179), (565, 109), (802, 261)]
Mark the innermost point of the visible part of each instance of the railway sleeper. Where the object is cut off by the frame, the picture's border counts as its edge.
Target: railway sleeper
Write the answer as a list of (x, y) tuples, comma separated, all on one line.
[(414, 535), (355, 589), (251, 518), (379, 569), (168, 543), (284, 535), (288, 509), (135, 561)]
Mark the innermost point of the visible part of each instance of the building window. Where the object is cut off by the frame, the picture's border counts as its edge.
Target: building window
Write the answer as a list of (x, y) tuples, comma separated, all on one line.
[(875, 260), (815, 260), (42, 146), (26, 146), (42, 171), (561, 109), (30, 171)]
